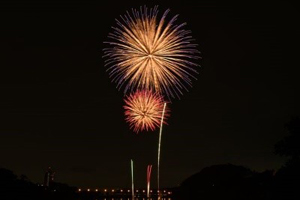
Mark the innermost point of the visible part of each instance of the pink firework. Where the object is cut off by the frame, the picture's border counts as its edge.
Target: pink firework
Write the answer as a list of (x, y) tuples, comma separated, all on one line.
[(143, 110)]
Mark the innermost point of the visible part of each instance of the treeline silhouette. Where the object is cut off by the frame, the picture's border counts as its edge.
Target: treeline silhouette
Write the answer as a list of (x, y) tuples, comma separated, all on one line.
[(240, 183), (13, 187), (211, 183)]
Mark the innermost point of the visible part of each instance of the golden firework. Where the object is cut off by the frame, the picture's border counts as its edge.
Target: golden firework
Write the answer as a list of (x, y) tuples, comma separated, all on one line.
[(150, 54)]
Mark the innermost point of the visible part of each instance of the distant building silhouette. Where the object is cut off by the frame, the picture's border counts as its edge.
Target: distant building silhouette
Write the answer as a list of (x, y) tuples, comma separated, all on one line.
[(49, 177)]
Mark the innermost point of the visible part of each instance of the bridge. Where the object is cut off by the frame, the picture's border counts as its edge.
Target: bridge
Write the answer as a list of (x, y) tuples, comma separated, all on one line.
[(124, 192)]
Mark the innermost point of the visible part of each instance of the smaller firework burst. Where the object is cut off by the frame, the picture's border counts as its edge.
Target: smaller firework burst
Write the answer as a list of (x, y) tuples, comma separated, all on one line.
[(143, 110)]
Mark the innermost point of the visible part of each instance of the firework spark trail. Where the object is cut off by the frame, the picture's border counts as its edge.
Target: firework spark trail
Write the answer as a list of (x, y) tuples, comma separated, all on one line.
[(132, 180), (146, 52), (149, 169), (159, 145), (143, 110)]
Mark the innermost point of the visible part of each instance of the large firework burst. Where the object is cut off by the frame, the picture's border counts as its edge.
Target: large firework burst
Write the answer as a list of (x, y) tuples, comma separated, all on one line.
[(150, 53), (143, 110)]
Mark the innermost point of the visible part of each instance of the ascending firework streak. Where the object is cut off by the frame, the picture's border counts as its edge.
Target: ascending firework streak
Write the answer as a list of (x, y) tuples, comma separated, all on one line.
[(159, 145), (149, 169), (132, 180)]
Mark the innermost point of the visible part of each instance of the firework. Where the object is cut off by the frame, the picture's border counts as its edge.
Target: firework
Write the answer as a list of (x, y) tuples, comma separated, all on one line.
[(149, 169), (146, 52), (132, 179), (143, 110), (159, 146)]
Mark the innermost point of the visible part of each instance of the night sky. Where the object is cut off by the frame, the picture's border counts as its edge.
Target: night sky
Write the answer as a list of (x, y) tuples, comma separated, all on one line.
[(58, 107)]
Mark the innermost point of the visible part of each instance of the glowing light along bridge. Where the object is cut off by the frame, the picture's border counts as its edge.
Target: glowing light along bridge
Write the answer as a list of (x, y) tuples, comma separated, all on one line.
[(125, 192)]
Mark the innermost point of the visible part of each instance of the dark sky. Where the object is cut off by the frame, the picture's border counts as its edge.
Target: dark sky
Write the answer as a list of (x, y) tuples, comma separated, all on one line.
[(58, 107)]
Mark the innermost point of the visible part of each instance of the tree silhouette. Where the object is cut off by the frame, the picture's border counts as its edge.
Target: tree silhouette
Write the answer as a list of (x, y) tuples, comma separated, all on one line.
[(290, 145), (287, 180), (226, 182), (14, 188)]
